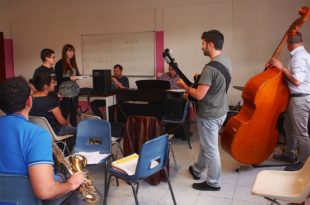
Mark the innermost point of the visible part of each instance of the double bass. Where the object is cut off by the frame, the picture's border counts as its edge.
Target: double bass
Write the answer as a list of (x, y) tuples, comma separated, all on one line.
[(251, 136)]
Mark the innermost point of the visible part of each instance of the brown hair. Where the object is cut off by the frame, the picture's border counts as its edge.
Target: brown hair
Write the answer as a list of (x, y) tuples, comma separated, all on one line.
[(66, 66)]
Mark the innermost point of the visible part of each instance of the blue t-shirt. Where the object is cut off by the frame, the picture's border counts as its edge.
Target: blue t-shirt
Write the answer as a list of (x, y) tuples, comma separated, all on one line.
[(22, 144), (124, 80)]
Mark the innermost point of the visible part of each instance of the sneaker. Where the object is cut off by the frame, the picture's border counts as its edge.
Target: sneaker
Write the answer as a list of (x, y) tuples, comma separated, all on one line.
[(191, 171), (294, 167), (282, 157), (203, 186)]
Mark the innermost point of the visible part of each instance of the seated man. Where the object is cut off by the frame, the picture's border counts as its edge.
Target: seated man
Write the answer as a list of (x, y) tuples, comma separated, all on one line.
[(118, 82), (48, 107), (30, 147), (172, 77)]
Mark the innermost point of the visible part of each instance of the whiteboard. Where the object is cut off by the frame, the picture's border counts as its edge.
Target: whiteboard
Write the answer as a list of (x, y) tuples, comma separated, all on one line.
[(134, 51)]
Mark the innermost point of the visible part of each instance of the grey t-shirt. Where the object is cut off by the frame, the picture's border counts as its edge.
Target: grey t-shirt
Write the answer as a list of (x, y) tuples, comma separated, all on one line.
[(214, 104)]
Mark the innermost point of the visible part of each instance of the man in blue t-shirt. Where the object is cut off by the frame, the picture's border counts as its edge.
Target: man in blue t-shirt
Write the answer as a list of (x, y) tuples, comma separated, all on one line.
[(26, 149)]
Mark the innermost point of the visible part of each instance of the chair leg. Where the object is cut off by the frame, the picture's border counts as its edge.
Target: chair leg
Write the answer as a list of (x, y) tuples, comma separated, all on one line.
[(105, 174), (138, 187), (173, 156), (106, 190), (135, 192), (117, 183), (170, 187), (120, 148), (187, 136), (272, 201)]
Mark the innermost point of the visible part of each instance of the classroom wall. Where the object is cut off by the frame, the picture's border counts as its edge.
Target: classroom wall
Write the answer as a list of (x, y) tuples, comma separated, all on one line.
[(252, 29), (5, 18)]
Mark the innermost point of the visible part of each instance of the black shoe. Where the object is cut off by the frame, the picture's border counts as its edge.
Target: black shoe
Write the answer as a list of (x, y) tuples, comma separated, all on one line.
[(191, 171), (203, 186), (294, 167), (282, 157)]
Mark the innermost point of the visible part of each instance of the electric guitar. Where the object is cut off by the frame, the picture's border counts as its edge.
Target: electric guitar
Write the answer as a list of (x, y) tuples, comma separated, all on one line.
[(167, 55)]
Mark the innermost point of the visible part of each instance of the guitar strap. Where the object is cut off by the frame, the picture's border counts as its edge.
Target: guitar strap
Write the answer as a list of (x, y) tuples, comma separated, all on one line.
[(220, 67)]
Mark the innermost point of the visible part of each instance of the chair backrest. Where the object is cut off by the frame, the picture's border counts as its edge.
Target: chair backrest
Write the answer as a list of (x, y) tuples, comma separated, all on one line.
[(304, 178), (155, 149), (174, 117), (42, 122), (86, 117), (93, 135), (17, 189)]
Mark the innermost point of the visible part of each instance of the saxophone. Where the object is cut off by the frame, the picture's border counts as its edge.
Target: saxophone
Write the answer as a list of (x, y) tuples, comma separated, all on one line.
[(76, 163)]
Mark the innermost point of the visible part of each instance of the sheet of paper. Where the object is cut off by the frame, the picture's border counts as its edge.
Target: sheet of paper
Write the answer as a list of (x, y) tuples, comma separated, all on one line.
[(93, 157)]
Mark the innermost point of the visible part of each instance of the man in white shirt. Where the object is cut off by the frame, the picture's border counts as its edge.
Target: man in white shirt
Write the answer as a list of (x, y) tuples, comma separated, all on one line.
[(297, 76)]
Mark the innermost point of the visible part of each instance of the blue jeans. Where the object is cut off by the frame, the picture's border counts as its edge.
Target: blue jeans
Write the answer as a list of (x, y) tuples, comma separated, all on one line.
[(209, 155), (66, 130)]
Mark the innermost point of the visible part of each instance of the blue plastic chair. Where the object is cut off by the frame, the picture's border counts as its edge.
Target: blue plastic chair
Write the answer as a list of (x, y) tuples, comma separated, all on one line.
[(154, 149), (17, 189), (166, 119), (94, 135)]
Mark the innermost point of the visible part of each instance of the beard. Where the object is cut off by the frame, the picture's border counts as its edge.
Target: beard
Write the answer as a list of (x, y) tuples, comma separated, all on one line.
[(205, 52)]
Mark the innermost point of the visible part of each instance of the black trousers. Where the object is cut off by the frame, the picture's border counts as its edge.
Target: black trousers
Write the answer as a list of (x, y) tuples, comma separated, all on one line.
[(95, 106), (69, 108)]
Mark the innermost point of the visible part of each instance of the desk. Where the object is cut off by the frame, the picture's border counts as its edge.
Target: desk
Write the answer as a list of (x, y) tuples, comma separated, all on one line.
[(110, 100)]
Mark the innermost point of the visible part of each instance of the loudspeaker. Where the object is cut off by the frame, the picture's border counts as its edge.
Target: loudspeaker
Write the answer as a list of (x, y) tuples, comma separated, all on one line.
[(102, 81), (174, 105)]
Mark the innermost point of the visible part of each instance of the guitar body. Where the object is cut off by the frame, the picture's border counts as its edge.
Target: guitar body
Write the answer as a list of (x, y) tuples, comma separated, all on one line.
[(251, 136), (191, 98)]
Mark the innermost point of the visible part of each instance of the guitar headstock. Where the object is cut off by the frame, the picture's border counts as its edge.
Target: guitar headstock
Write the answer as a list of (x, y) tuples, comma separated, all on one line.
[(167, 55)]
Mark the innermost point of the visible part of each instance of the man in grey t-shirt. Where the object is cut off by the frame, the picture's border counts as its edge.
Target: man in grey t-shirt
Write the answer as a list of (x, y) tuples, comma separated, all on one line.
[(212, 108)]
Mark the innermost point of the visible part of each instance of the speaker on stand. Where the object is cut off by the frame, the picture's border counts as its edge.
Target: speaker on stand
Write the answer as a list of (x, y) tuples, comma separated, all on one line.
[(102, 82)]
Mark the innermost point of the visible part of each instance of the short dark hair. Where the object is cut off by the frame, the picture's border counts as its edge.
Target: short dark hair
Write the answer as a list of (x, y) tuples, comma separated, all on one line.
[(176, 64), (46, 53), (14, 93), (214, 36), (118, 66), (41, 77), (295, 38)]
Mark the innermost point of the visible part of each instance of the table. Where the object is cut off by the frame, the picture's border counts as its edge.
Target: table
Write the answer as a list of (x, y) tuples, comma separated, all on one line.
[(110, 100)]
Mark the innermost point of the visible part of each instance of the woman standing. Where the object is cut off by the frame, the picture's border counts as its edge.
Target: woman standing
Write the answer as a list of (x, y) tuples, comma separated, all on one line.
[(66, 71)]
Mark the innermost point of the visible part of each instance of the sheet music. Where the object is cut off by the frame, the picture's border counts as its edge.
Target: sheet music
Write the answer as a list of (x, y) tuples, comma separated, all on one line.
[(93, 157)]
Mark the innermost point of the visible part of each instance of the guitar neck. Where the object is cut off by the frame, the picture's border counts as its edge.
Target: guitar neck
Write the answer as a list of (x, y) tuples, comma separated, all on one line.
[(181, 75)]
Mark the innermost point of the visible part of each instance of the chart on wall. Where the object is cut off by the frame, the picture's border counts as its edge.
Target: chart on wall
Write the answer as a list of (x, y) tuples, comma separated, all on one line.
[(134, 51)]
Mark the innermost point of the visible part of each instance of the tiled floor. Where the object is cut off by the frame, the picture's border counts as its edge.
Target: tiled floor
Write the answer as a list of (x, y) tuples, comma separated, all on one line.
[(235, 186)]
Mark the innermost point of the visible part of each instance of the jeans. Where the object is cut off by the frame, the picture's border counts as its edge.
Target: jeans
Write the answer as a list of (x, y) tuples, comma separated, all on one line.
[(209, 155)]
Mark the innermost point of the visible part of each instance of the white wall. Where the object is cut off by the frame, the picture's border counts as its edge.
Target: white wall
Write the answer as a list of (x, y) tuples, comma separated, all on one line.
[(5, 18), (252, 29)]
